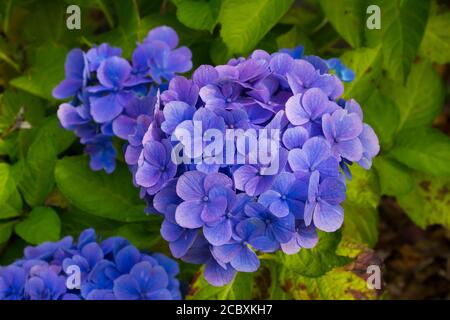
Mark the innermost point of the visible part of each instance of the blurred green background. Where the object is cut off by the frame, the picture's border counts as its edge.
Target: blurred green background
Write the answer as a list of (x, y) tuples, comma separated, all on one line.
[(399, 212)]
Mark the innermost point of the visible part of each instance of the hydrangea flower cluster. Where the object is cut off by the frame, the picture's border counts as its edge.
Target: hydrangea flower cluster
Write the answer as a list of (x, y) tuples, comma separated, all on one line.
[(221, 214), (105, 89), (109, 270)]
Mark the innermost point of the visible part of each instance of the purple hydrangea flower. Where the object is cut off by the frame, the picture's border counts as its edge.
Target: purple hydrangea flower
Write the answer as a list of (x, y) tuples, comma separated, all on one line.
[(322, 206), (203, 202), (315, 155), (286, 196), (157, 167)]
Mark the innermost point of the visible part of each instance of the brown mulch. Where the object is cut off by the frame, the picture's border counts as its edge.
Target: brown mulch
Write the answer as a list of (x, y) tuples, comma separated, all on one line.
[(416, 261)]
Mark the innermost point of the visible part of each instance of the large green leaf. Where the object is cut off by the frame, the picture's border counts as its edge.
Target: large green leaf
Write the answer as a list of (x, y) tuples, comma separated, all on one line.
[(421, 99), (395, 179), (436, 41), (46, 71), (6, 229), (347, 17), (37, 179), (366, 63), (317, 261), (360, 208), (41, 225), (110, 196), (429, 201), (382, 113), (198, 14), (424, 149), (403, 24), (5, 182), (245, 23)]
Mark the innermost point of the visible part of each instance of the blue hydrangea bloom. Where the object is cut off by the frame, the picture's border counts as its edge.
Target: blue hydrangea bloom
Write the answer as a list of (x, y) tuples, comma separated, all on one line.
[(111, 269), (113, 97), (221, 215)]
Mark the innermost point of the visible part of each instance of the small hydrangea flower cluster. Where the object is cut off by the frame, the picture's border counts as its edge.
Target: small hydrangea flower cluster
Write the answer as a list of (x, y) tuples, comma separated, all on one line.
[(109, 270), (105, 88), (219, 215)]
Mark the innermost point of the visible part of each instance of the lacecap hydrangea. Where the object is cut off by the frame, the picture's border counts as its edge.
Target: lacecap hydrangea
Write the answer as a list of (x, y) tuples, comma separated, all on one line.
[(105, 88), (109, 270), (221, 213)]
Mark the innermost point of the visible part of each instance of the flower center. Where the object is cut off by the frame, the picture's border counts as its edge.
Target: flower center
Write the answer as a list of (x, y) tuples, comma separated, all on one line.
[(205, 198)]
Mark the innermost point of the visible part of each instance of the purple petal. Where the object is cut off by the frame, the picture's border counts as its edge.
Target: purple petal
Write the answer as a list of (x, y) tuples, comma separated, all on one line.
[(295, 137), (204, 75), (327, 217), (243, 175), (351, 150), (106, 108), (245, 261), (188, 214), (181, 246), (113, 72), (123, 126), (219, 234), (190, 185), (218, 276), (332, 191), (126, 258), (163, 33), (67, 88), (147, 175), (295, 112), (126, 287)]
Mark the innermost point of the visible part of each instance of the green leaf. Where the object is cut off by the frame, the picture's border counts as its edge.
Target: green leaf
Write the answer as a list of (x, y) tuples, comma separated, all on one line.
[(6, 230), (245, 23), (37, 179), (7, 211), (436, 41), (360, 208), (421, 100), (395, 179), (347, 17), (403, 24), (366, 63), (293, 38), (126, 33), (383, 115), (10, 200), (240, 288), (429, 201), (46, 72), (424, 149), (317, 261), (110, 196), (198, 14), (41, 225), (62, 139), (5, 182)]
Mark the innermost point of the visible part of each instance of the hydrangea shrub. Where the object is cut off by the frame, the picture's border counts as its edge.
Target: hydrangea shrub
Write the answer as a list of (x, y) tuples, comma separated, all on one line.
[(219, 213), (109, 270)]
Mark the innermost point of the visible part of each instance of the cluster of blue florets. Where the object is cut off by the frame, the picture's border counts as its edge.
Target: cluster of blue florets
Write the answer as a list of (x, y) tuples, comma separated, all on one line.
[(89, 270), (104, 86)]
